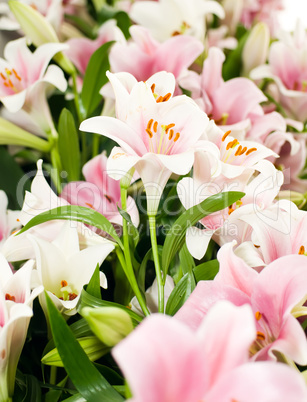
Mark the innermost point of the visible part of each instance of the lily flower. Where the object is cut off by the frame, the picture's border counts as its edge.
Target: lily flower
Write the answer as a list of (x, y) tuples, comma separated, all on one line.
[(274, 294), (8, 218), (167, 18), (63, 269), (24, 77), (158, 134), (41, 199), (16, 301), (209, 364), (287, 67)]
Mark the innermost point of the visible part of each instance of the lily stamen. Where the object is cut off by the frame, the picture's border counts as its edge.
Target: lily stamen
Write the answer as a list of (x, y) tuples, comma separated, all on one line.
[(251, 150), (302, 250), (226, 135)]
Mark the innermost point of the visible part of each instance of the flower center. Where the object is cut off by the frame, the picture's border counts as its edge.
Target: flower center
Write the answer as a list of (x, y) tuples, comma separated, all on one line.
[(183, 28), (160, 98), (234, 149), (67, 292), (264, 335), (162, 137), (11, 80)]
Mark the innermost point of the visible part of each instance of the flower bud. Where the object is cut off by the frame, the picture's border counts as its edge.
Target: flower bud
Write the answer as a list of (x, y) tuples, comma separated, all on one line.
[(109, 324), (256, 48)]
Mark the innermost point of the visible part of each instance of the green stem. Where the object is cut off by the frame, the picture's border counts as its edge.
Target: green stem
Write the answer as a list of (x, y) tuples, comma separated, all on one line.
[(76, 97), (127, 264), (95, 150), (53, 373), (154, 245)]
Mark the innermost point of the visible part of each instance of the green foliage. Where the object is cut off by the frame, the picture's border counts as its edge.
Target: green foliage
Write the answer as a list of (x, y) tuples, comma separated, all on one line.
[(176, 236), (86, 378), (69, 148)]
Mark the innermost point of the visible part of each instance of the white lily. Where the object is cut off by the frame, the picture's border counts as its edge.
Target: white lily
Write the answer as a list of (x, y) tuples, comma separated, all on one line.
[(63, 269), (15, 312), (166, 18)]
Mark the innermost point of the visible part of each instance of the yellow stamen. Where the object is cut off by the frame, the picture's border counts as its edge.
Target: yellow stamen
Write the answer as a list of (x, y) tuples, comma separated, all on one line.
[(153, 86)]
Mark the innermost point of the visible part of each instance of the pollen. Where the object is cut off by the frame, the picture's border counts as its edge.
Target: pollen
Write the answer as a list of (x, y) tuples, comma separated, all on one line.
[(108, 197), (164, 98), (89, 205), (153, 86), (302, 250), (63, 283)]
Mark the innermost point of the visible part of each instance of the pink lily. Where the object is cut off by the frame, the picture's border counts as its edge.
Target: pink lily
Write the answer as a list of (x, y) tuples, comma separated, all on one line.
[(273, 295), (158, 134), (16, 301), (279, 231), (287, 67), (81, 49), (99, 192), (22, 70), (207, 365), (174, 55)]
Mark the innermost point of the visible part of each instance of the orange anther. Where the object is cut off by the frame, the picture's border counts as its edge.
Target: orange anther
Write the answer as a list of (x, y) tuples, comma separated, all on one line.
[(243, 150), (72, 296), (155, 126), (160, 99), (63, 283), (149, 124), (153, 86), (302, 250), (226, 135), (260, 336), (16, 75), (148, 132), (9, 297), (176, 137), (168, 127), (238, 150), (171, 133), (258, 315), (89, 205), (3, 76), (166, 97), (251, 150), (108, 197)]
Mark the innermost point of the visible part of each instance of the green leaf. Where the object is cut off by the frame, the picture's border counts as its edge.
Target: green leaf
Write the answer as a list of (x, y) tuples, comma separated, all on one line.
[(75, 398), (176, 236), (75, 213), (180, 293), (95, 77), (14, 182), (206, 271), (132, 230), (88, 300), (69, 145), (186, 260), (233, 64), (93, 287), (85, 377), (34, 393)]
